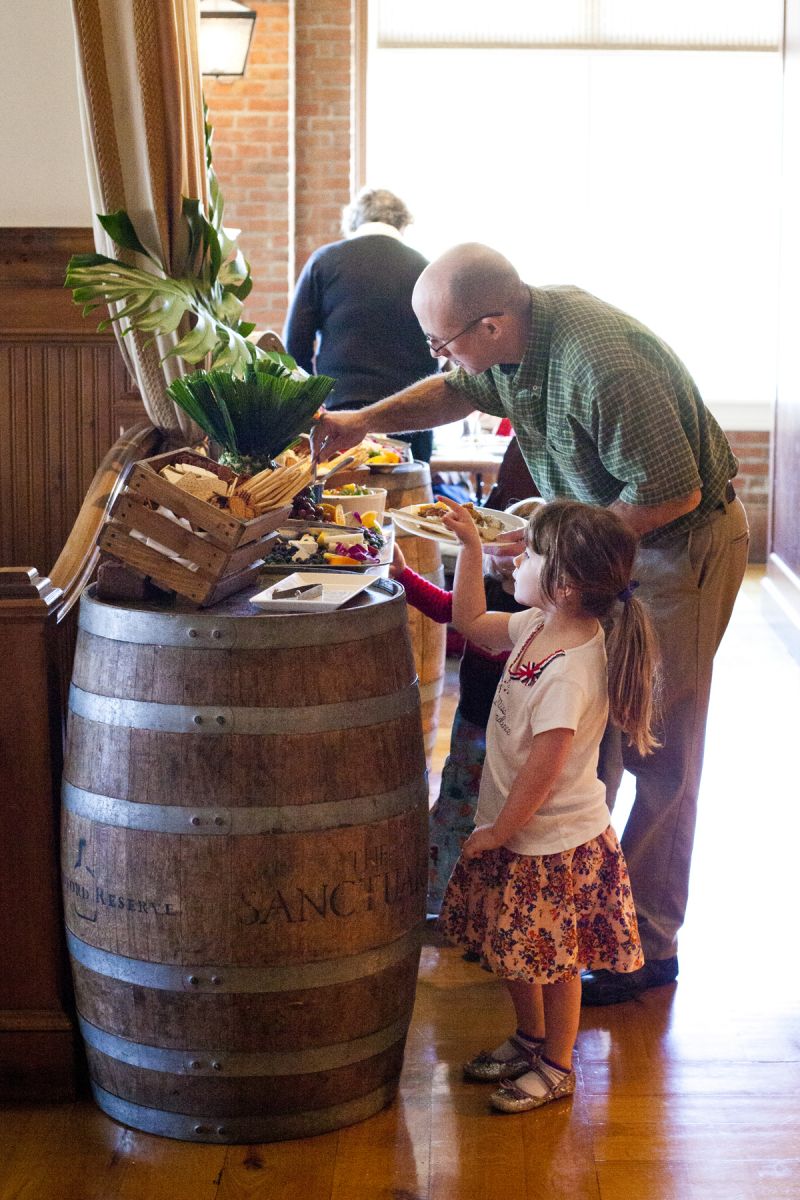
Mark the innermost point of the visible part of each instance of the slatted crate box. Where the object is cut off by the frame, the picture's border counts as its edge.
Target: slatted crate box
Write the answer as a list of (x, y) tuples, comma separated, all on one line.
[(228, 556)]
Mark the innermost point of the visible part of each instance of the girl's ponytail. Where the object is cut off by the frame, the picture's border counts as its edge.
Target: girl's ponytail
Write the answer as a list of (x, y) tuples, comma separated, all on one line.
[(633, 672)]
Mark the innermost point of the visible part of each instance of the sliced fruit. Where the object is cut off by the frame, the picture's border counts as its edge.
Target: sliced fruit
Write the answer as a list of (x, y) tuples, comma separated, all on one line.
[(341, 560)]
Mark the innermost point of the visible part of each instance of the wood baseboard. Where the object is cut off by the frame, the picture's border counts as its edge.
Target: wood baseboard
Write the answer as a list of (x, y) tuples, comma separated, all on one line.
[(40, 1056)]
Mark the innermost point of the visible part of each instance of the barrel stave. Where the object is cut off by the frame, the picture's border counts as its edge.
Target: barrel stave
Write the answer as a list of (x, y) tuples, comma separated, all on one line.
[(268, 1095), (295, 1018)]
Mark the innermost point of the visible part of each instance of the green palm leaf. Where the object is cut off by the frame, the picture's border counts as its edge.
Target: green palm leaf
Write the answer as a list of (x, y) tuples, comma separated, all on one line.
[(256, 414), (207, 289)]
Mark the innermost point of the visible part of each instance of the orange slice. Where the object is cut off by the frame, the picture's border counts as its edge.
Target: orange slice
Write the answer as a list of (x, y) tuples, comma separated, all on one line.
[(341, 560)]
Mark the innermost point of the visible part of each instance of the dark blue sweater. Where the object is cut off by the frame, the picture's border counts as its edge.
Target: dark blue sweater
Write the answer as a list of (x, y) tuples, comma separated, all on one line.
[(356, 295)]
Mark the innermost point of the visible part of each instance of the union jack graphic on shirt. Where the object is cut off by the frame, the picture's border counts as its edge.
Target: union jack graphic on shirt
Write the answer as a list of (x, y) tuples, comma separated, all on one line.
[(529, 672)]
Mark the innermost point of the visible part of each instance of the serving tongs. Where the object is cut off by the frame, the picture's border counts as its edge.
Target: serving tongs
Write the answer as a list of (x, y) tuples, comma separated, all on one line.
[(305, 591), (339, 465)]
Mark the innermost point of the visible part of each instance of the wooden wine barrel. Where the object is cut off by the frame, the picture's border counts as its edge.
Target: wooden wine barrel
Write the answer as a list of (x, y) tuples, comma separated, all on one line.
[(244, 859), (411, 484)]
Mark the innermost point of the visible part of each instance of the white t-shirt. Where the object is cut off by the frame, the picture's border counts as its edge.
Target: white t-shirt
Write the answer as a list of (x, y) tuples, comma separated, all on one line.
[(566, 690)]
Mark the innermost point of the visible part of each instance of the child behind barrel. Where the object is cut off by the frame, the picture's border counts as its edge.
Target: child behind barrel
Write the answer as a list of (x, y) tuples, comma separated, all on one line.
[(541, 890)]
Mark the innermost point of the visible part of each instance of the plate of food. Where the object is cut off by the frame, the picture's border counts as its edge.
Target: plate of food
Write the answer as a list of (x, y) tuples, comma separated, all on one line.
[(310, 592), (385, 453), (425, 521), (323, 547)]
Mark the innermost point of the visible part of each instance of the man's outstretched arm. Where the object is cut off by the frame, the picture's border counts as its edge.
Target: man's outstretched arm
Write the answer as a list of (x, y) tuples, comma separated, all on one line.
[(430, 402)]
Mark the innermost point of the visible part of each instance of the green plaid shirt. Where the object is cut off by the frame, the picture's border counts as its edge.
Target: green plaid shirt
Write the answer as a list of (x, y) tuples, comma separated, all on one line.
[(605, 411)]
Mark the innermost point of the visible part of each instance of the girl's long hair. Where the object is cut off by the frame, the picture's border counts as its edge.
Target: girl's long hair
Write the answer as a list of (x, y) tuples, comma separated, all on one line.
[(592, 550)]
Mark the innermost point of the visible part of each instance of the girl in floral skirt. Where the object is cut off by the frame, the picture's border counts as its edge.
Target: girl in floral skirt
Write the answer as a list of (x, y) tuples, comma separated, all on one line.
[(541, 890)]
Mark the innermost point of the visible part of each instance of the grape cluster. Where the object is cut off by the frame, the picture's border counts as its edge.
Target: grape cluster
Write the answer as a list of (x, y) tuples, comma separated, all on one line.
[(305, 508)]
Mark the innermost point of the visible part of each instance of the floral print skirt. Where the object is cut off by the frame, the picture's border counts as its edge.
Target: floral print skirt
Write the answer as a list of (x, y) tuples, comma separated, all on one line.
[(544, 918)]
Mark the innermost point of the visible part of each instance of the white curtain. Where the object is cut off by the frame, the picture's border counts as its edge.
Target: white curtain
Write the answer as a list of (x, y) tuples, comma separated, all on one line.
[(142, 113), (584, 24)]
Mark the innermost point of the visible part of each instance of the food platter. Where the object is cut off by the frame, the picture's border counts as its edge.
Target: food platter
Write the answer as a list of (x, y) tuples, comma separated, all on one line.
[(409, 520), (283, 569), (337, 589), (393, 445), (339, 541)]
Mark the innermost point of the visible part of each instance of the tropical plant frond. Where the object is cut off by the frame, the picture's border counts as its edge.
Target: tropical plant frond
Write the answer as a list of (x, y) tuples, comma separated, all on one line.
[(119, 228), (198, 401), (207, 289), (262, 411)]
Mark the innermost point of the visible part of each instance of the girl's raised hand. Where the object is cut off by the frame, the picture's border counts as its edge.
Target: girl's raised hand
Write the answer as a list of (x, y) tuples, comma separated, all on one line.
[(398, 563), (459, 522)]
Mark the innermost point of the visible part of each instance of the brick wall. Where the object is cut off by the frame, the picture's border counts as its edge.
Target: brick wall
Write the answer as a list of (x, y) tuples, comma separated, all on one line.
[(323, 124), (252, 126), (284, 153), (282, 142), (752, 485)]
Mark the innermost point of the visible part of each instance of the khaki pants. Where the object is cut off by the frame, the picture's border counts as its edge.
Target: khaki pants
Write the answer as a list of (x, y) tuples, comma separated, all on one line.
[(689, 589)]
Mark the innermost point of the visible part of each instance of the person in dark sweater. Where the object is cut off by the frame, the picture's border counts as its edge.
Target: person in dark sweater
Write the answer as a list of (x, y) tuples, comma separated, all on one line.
[(351, 316)]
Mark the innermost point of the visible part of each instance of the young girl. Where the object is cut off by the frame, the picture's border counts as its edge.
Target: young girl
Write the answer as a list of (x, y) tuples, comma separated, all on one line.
[(541, 890)]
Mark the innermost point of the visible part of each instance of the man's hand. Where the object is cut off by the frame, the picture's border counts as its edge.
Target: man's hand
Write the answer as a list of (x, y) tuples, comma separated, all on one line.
[(482, 838), (498, 557), (333, 432)]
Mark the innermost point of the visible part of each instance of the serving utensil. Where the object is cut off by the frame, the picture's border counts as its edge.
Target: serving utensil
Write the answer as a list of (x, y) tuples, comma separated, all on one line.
[(308, 591), (344, 462)]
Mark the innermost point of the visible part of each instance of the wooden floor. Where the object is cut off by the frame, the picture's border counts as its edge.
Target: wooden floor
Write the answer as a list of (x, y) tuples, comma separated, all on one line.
[(692, 1093)]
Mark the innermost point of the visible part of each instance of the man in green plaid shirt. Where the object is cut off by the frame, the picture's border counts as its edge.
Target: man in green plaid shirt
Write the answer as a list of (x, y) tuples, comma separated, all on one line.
[(605, 413)]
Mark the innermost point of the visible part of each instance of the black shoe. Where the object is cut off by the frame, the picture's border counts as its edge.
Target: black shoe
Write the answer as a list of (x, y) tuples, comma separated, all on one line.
[(607, 987)]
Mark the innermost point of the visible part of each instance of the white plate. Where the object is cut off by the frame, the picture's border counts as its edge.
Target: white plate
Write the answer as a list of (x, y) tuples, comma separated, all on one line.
[(400, 447), (337, 589), (284, 568), (404, 518), (387, 468)]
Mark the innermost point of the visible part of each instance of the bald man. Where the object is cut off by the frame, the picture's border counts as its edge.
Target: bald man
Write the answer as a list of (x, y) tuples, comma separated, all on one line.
[(605, 413)]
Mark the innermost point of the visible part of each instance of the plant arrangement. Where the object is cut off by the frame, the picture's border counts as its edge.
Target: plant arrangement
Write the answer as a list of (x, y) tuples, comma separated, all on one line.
[(255, 416), (252, 402)]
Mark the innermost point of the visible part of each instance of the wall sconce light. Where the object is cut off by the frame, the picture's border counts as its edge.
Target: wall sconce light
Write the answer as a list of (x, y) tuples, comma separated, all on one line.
[(226, 30)]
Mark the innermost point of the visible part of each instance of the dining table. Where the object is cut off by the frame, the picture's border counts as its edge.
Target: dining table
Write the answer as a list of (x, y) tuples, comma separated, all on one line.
[(479, 457)]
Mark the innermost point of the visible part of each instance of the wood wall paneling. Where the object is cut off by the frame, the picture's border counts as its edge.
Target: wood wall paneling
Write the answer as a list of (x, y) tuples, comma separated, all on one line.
[(64, 394), (38, 1042)]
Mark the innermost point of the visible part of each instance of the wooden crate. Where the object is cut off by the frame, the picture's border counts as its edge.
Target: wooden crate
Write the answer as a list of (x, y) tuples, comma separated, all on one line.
[(227, 551)]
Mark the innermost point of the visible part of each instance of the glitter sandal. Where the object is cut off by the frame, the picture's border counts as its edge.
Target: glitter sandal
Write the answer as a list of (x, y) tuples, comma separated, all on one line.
[(512, 1099), (484, 1068)]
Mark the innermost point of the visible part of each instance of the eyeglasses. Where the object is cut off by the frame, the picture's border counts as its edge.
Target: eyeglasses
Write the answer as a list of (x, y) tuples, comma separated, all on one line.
[(437, 347)]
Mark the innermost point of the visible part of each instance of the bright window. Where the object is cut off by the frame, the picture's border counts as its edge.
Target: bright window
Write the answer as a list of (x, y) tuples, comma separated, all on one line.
[(647, 177)]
